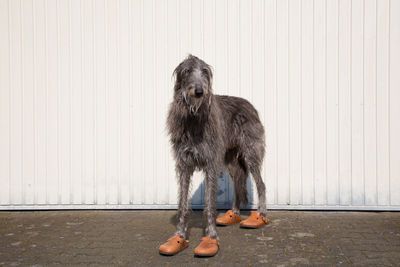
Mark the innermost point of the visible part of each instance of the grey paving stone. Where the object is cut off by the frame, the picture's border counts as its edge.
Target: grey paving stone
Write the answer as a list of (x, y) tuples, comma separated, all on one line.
[(131, 238)]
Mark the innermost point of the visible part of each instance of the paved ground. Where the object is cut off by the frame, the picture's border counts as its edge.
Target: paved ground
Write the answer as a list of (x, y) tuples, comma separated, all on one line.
[(132, 238)]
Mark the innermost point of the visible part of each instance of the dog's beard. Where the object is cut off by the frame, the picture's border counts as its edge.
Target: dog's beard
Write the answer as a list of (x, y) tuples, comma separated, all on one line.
[(193, 103)]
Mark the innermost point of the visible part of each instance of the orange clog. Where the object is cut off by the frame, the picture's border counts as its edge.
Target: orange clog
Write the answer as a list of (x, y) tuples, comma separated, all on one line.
[(255, 220), (207, 248), (228, 218), (174, 245)]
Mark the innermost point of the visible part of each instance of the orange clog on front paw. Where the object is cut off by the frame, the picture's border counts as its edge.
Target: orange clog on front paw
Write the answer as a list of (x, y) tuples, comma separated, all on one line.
[(174, 245), (228, 218), (255, 220), (207, 248)]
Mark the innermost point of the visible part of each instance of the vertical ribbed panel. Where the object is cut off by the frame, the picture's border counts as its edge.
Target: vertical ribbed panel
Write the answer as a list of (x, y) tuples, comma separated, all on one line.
[(85, 88)]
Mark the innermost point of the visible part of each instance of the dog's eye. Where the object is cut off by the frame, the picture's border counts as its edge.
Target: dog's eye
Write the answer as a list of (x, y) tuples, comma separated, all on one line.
[(185, 72)]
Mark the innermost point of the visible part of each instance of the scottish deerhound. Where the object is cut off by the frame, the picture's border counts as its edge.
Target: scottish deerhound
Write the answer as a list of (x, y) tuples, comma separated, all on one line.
[(212, 133)]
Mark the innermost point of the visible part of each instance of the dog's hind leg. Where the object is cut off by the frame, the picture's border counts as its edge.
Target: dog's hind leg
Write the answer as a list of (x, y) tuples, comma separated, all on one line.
[(238, 175), (184, 176), (253, 161), (253, 157), (256, 173)]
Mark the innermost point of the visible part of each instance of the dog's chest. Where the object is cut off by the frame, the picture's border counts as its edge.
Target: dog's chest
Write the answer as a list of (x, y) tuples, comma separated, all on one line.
[(192, 152), (192, 145)]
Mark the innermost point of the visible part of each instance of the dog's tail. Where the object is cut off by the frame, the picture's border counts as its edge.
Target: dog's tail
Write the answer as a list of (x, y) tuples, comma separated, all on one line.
[(239, 176)]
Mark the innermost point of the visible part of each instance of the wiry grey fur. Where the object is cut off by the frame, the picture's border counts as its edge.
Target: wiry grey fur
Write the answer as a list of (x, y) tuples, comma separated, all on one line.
[(213, 133)]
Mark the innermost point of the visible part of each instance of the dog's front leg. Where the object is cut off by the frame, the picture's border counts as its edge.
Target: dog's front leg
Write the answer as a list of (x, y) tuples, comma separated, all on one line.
[(210, 210), (209, 244), (184, 177), (178, 242)]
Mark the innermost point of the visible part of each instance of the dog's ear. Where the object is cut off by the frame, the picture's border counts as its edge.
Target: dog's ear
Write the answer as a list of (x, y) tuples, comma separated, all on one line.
[(207, 72), (178, 75)]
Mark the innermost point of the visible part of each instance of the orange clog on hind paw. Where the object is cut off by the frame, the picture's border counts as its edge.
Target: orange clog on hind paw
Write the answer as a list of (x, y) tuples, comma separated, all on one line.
[(228, 218), (255, 220), (174, 245)]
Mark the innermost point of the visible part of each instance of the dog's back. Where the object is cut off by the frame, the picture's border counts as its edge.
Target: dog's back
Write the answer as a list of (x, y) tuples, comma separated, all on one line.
[(243, 125)]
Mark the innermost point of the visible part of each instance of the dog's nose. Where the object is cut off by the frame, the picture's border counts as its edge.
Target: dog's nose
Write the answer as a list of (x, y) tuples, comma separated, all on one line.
[(198, 91)]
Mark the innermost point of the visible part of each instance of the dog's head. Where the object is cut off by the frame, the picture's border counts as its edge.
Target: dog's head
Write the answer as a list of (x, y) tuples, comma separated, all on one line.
[(193, 82)]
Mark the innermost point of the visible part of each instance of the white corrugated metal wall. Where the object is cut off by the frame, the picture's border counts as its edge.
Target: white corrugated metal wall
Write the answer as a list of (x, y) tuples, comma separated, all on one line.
[(85, 86)]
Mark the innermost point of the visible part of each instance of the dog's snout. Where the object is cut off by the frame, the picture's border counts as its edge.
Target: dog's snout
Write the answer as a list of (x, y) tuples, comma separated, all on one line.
[(198, 91)]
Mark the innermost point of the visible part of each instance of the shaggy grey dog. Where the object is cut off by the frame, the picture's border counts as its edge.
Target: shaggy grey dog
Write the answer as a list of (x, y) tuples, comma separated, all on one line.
[(213, 133)]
